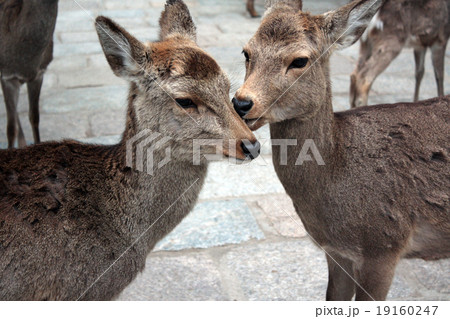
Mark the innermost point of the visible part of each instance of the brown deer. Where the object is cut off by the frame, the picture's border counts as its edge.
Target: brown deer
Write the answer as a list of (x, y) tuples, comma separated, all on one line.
[(420, 24), (26, 49), (251, 8), (383, 192), (75, 221)]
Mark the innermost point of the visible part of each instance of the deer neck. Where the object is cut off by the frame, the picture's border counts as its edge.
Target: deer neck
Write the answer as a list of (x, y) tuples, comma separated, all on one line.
[(163, 194), (304, 181), (319, 128)]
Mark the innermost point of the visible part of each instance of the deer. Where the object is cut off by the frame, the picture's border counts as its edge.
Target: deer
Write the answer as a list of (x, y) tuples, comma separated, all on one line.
[(421, 25), (76, 220), (26, 50), (383, 193), (251, 9)]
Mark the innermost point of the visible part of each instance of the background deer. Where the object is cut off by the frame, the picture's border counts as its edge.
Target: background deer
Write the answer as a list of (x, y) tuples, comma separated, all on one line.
[(75, 221), (383, 193), (251, 8), (419, 24), (26, 49)]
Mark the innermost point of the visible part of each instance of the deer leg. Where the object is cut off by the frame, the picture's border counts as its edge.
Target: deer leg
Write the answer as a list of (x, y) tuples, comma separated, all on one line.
[(34, 92), (341, 286), (251, 8), (438, 52), (383, 54), (11, 90), (20, 135), (419, 57), (374, 278)]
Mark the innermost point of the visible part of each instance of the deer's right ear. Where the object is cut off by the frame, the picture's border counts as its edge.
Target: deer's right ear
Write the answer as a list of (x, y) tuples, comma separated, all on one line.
[(176, 20), (346, 25), (295, 4), (125, 54)]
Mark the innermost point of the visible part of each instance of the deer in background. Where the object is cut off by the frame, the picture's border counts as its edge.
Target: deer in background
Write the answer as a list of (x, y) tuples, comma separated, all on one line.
[(251, 8), (26, 49), (75, 221), (420, 24), (384, 191)]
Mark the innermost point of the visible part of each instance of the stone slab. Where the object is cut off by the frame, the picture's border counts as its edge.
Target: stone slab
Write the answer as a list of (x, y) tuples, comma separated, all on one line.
[(213, 224), (282, 216), (229, 180), (289, 270), (191, 277)]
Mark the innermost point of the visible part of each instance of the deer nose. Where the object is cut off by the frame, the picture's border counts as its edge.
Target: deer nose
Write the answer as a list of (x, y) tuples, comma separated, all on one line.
[(242, 107), (251, 150)]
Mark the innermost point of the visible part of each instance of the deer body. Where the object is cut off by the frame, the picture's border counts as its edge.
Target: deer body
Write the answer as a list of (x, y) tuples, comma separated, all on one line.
[(383, 193), (71, 215), (26, 49), (421, 25), (76, 222)]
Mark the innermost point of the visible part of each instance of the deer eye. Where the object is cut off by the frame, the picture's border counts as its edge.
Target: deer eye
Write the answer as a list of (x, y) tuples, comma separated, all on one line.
[(247, 56), (299, 63), (186, 103)]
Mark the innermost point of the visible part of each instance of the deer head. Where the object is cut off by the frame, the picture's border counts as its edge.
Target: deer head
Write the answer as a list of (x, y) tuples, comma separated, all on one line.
[(287, 60), (177, 89)]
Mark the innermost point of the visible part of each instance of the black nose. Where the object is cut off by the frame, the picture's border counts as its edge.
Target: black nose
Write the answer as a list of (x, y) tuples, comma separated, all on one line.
[(251, 150), (242, 107)]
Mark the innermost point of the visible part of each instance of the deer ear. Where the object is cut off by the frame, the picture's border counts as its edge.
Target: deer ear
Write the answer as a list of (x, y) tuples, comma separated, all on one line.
[(295, 4), (346, 25), (125, 54), (176, 20)]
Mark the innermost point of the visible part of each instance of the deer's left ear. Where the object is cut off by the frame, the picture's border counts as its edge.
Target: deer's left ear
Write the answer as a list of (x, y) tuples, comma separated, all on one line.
[(125, 54), (176, 20), (346, 25)]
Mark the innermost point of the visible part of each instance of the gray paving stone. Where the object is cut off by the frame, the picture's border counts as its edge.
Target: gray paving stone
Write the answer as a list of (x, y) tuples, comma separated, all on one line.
[(106, 98), (102, 140), (433, 275), (290, 270), (228, 180), (70, 5), (417, 279), (108, 123), (341, 65), (89, 77), (63, 64), (83, 48), (78, 37), (322, 6), (53, 127), (281, 213), (213, 224), (190, 277)]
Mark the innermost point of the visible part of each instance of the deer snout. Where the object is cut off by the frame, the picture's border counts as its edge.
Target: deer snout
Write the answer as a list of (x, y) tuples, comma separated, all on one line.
[(242, 107)]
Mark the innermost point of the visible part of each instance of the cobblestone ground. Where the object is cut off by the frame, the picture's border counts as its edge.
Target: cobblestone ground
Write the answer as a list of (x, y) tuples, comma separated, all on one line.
[(238, 244)]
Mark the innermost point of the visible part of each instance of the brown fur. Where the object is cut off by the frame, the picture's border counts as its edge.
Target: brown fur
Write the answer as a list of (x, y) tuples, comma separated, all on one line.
[(26, 49), (384, 191), (420, 24), (71, 215)]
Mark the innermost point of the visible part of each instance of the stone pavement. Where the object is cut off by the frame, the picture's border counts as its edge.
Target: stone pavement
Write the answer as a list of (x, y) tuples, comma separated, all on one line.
[(238, 243)]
